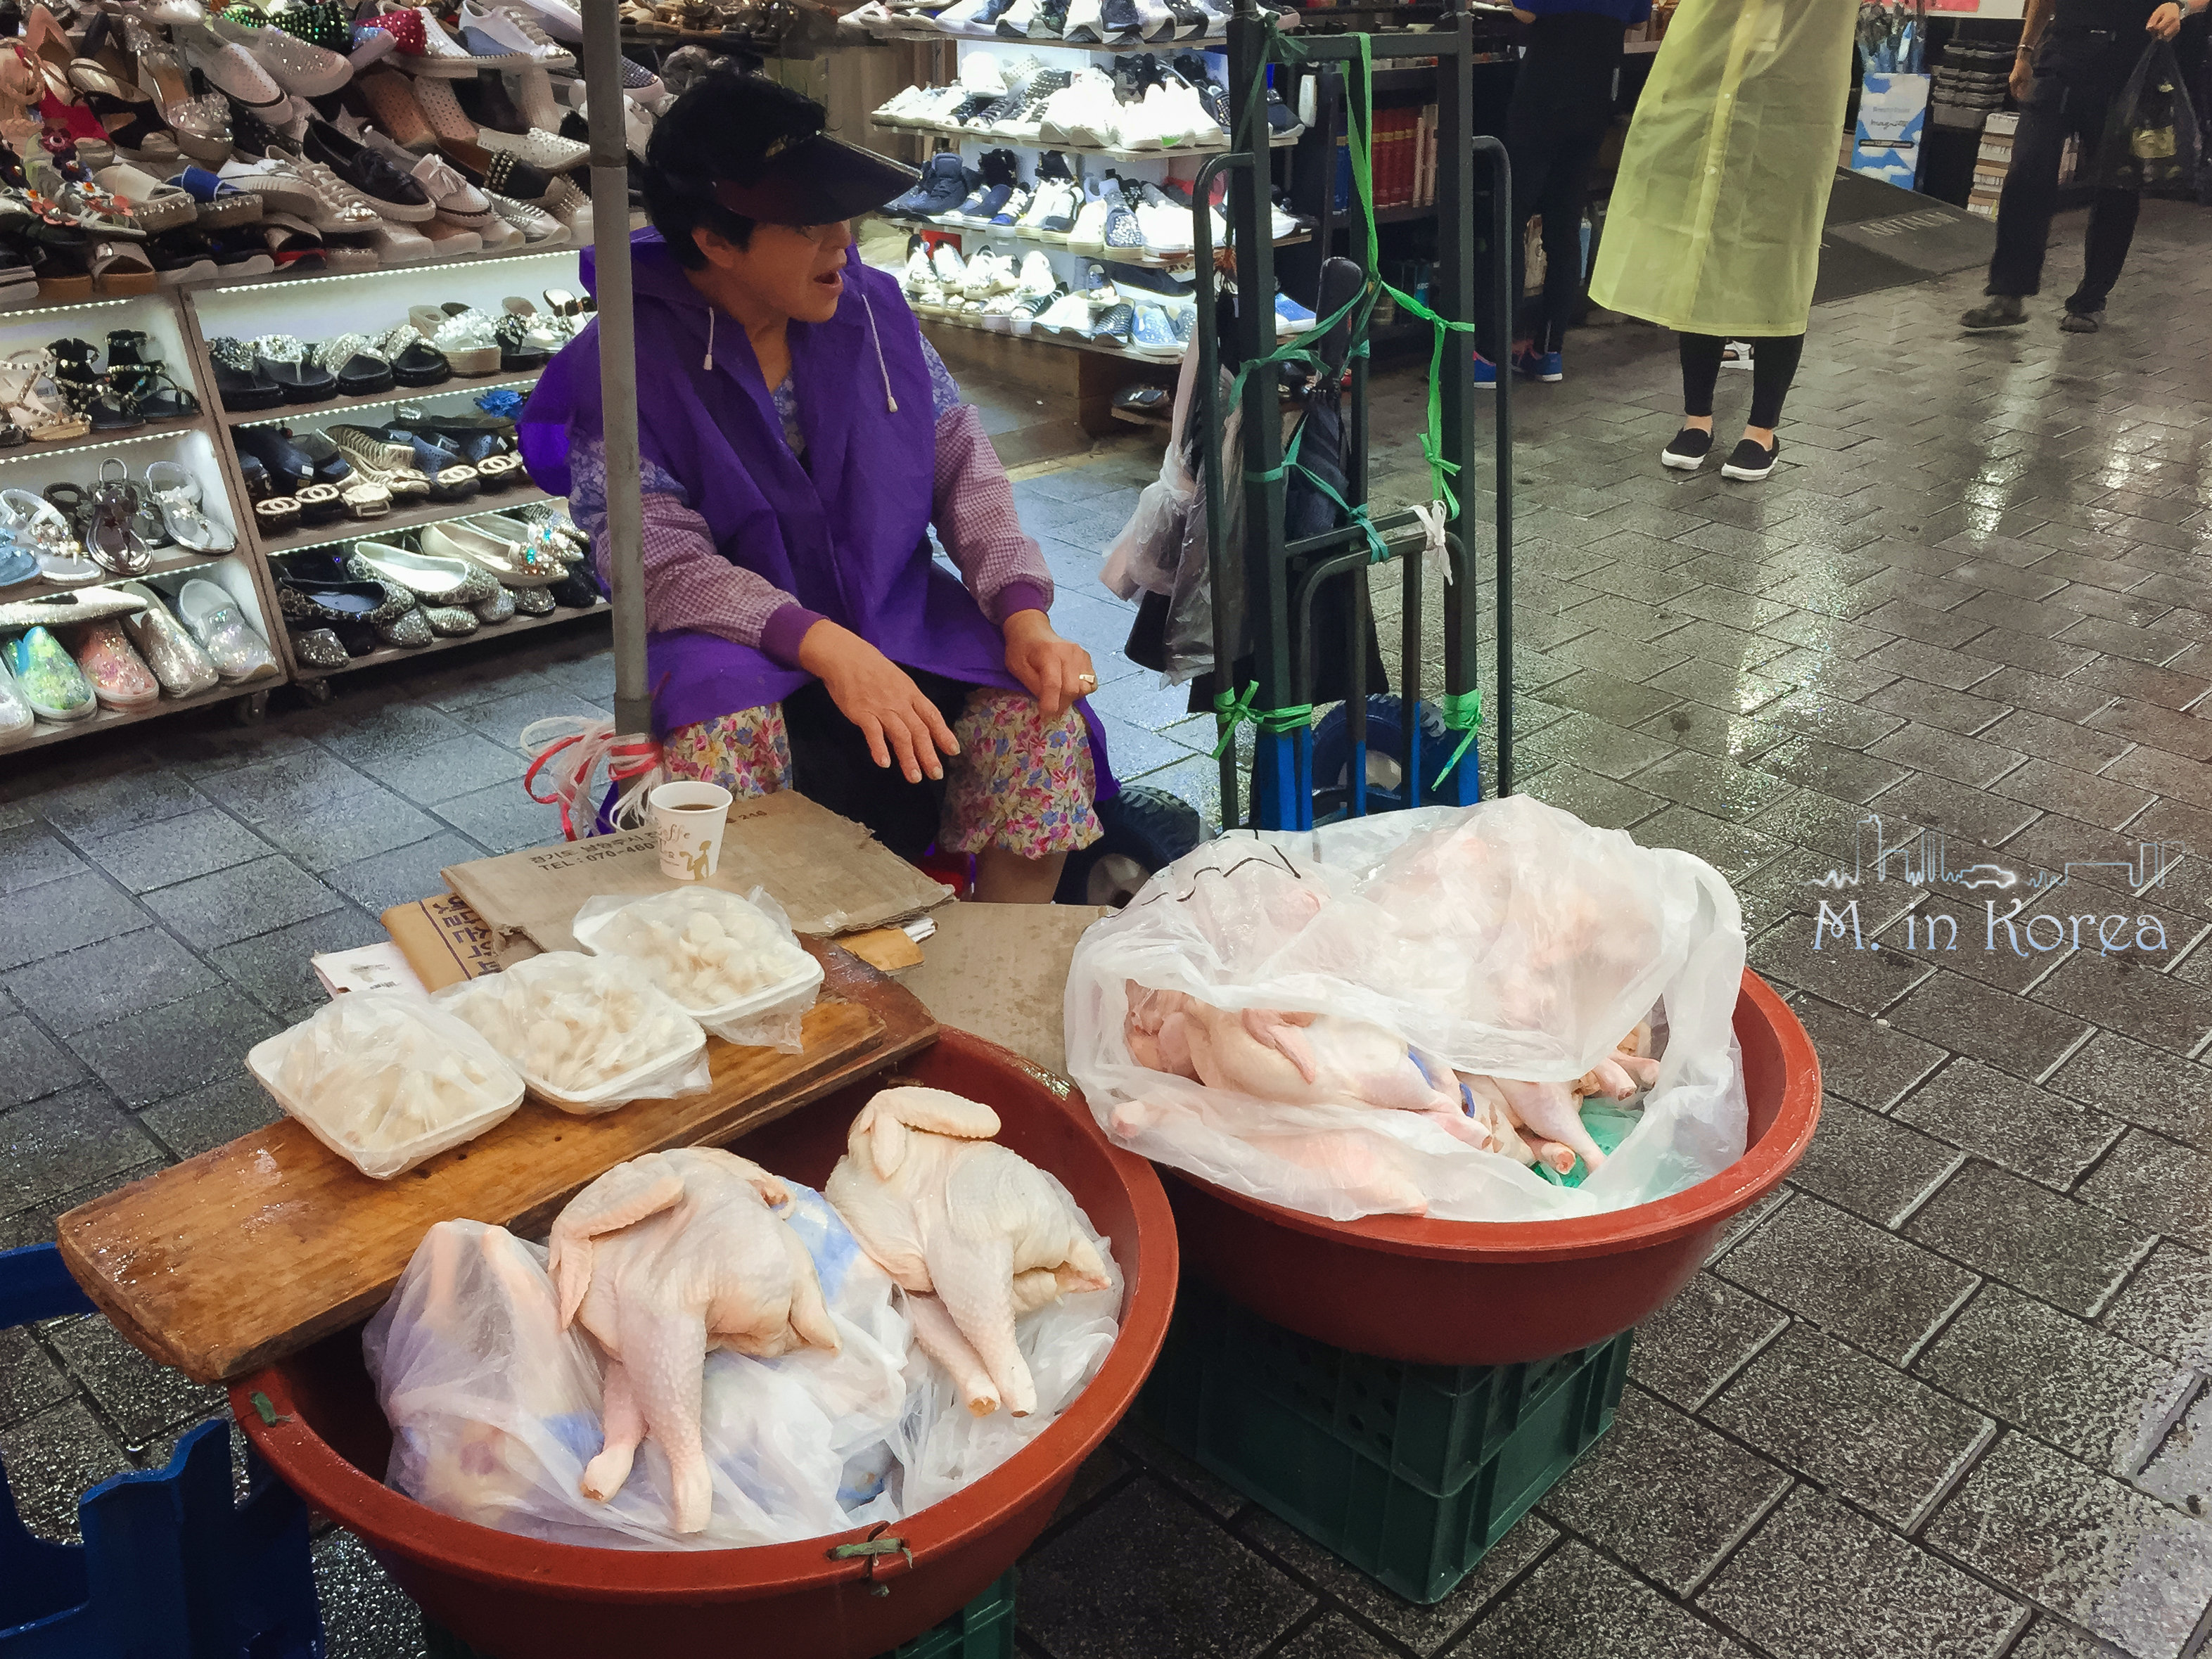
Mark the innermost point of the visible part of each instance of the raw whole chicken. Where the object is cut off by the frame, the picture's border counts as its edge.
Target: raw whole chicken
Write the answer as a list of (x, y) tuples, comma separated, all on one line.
[(976, 1234), (1294, 1058), (1542, 1122), (663, 1258)]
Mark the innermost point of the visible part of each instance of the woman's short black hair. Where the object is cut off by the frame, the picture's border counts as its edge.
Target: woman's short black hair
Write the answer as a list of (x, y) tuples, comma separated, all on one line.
[(722, 128)]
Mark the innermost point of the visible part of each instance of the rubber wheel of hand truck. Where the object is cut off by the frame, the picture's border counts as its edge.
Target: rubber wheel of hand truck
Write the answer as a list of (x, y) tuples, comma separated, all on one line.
[(1386, 739), (1146, 829)]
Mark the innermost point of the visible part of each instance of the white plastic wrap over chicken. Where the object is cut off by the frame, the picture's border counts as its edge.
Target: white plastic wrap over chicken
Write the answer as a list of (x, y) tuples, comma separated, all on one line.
[(496, 1410), (1375, 1005)]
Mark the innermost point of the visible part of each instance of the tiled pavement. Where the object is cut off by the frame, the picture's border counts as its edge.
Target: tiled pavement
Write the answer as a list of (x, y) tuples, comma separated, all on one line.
[(1942, 1398)]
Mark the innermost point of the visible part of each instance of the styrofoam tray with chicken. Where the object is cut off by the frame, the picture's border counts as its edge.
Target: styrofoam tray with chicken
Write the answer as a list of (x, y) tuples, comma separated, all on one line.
[(589, 1033), (385, 1080), (708, 1356), (1408, 1014), (730, 962)]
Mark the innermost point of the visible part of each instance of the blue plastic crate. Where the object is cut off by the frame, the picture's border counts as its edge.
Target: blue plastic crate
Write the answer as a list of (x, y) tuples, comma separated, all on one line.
[(170, 1568)]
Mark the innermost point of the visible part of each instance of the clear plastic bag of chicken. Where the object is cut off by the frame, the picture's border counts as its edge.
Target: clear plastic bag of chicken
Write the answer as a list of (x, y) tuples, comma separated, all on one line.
[(589, 1033), (1405, 1014), (497, 1410), (733, 964), (385, 1079)]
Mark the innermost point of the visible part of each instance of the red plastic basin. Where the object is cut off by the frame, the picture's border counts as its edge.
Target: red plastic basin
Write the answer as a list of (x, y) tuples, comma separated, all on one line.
[(1494, 1293), (516, 1598)]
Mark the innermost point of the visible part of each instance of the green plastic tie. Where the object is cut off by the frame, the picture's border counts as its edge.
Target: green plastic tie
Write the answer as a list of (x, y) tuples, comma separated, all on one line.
[(265, 1410), (1235, 710), (1461, 711)]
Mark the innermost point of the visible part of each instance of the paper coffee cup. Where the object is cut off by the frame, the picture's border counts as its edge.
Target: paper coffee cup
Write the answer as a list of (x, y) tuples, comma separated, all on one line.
[(687, 821)]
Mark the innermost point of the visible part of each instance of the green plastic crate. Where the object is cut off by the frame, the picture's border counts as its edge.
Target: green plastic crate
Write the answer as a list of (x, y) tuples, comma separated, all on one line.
[(1410, 1473), (984, 1629)]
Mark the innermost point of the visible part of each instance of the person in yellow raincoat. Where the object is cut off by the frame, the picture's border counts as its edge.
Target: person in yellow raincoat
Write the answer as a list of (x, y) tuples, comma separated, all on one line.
[(1714, 228)]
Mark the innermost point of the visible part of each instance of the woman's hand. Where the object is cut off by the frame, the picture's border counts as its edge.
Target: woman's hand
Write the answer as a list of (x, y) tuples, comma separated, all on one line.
[(1057, 672), (876, 695), (2022, 79), (2164, 23)]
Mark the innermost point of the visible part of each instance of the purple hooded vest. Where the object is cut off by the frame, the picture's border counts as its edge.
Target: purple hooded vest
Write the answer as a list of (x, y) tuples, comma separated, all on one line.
[(845, 534)]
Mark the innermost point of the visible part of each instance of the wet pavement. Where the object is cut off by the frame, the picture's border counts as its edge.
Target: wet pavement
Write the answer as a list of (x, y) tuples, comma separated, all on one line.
[(1942, 1398)]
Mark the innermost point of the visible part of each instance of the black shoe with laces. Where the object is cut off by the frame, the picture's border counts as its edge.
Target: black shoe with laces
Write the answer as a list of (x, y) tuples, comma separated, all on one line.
[(1687, 449), (1750, 462)]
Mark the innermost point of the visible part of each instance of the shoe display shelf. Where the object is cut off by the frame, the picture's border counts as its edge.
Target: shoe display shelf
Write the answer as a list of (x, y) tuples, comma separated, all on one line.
[(311, 307), (1177, 163), (35, 467)]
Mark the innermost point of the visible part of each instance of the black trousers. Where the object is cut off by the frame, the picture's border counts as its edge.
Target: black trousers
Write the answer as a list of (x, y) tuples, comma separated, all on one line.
[(830, 765), (1773, 366), (2077, 76), (1563, 98)]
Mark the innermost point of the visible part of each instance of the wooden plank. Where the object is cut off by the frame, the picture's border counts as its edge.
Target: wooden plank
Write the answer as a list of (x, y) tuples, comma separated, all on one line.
[(254, 1250)]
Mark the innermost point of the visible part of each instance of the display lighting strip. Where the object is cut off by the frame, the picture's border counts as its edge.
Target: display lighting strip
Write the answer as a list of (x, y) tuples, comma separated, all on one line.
[(35, 451), (565, 251), (31, 313), (299, 413)]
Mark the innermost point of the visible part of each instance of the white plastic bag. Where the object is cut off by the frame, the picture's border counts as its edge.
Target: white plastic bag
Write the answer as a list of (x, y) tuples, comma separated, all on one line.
[(386, 1080), (589, 1033), (495, 1411), (733, 964), (1508, 939)]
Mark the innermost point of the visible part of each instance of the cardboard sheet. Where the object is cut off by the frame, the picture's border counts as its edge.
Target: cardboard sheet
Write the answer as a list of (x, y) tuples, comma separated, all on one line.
[(1001, 971), (829, 873)]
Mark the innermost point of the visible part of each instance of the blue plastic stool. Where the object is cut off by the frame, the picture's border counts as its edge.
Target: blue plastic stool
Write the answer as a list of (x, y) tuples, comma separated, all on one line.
[(169, 1568)]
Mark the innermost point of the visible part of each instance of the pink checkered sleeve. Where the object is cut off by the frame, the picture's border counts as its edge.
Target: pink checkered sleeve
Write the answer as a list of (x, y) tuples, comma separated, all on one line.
[(689, 584), (973, 508)]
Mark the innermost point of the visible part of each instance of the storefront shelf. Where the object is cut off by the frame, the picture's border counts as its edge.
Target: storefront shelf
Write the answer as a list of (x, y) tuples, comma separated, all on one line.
[(308, 414), (137, 435), (43, 734), (356, 530), (170, 561), (992, 140), (391, 654)]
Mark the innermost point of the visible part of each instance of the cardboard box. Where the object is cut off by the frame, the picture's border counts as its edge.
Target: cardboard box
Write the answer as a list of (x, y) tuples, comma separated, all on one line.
[(443, 940), (829, 873), (1000, 971)]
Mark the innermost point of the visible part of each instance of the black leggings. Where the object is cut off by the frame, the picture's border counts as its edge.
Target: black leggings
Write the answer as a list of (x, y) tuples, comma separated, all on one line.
[(1773, 366)]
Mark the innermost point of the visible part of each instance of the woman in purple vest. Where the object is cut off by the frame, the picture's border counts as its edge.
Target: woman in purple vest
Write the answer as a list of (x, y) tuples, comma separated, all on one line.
[(800, 438)]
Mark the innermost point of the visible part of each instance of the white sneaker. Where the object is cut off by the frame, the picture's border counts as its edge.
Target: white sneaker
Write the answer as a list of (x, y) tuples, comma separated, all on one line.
[(1089, 234), (1052, 197), (947, 262), (1035, 276), (1280, 223), (572, 206), (1070, 311), (557, 18), (1166, 226), (1083, 27), (983, 74), (920, 273), (492, 33), (1200, 129)]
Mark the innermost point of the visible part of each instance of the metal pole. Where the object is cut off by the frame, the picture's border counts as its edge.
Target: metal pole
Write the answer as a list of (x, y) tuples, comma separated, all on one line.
[(617, 361)]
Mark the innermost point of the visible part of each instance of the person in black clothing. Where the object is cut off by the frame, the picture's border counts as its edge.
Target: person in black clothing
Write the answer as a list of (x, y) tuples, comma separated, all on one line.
[(2065, 77), (1563, 100)]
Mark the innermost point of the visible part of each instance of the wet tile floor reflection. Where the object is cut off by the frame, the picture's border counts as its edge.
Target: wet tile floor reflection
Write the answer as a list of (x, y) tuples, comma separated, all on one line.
[(1943, 1399)]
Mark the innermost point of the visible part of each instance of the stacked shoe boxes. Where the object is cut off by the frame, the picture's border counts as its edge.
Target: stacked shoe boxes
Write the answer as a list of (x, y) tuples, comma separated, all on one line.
[(1991, 162)]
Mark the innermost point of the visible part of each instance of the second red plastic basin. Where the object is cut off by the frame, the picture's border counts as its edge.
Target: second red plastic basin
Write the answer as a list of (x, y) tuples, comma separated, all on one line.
[(1475, 1293)]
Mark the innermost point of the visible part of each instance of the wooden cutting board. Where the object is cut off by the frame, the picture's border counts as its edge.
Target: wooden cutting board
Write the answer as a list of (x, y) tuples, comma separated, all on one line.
[(256, 1250)]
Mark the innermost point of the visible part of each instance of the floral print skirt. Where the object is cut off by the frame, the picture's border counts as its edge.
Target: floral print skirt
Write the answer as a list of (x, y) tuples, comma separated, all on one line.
[(1020, 783)]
